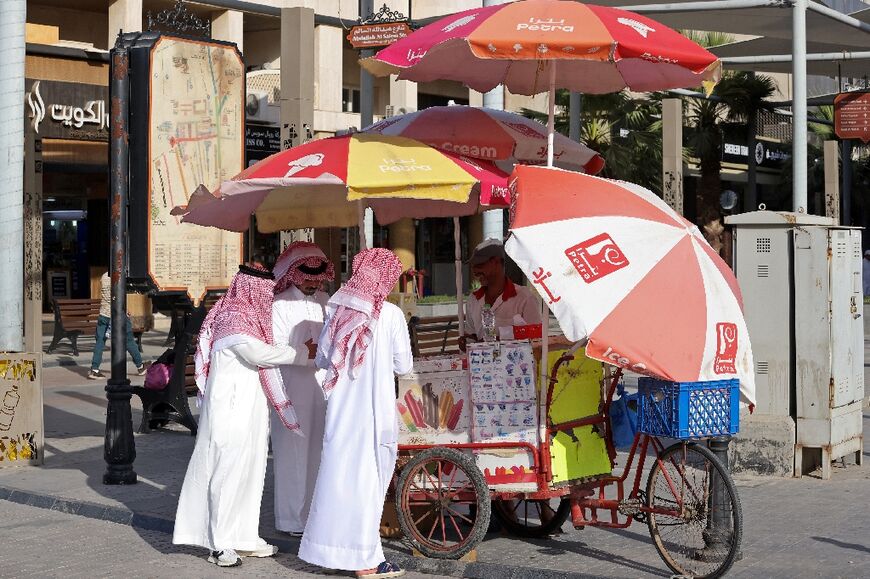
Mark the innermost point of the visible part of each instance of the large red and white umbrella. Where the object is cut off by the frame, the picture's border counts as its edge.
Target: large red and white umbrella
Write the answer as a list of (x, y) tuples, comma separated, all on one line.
[(619, 267), (489, 134), (535, 46), (591, 49)]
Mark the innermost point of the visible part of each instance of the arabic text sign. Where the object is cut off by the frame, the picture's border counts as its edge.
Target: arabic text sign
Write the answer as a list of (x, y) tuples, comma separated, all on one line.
[(852, 116), (371, 35), (68, 110), (196, 136)]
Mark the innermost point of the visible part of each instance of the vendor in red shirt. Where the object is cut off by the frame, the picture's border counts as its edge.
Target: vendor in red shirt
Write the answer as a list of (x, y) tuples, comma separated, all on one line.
[(512, 304)]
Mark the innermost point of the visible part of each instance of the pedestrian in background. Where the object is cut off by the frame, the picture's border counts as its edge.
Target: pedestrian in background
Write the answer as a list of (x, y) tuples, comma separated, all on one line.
[(103, 321)]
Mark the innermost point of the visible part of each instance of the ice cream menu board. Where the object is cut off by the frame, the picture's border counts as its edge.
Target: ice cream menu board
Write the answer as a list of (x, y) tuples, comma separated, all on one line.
[(502, 379), (196, 136)]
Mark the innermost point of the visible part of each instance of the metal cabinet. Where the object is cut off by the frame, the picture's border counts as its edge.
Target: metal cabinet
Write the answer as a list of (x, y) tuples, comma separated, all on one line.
[(801, 281), (829, 343)]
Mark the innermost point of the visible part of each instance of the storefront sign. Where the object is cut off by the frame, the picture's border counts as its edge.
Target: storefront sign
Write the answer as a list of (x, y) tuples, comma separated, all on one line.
[(68, 110), (852, 116), (260, 142), (188, 131), (768, 154), (375, 35)]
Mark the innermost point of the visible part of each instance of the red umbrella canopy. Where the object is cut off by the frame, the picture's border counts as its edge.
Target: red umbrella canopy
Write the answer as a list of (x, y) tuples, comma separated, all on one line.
[(621, 268), (598, 50), (489, 134)]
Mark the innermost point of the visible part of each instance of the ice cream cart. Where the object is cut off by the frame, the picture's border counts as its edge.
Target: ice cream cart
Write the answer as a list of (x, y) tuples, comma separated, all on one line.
[(478, 436)]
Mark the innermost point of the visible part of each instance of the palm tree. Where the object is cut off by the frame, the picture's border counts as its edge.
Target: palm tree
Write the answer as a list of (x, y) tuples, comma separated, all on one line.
[(625, 131), (739, 96)]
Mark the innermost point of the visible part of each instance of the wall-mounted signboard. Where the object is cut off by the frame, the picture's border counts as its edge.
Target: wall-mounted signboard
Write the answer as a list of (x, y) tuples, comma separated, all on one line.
[(852, 116)]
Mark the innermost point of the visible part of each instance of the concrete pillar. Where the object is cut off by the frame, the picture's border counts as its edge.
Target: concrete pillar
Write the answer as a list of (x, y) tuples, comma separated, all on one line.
[(402, 239), (228, 25), (475, 99), (329, 240), (124, 15), (12, 46), (32, 241), (297, 89), (672, 153), (328, 68), (832, 180), (403, 96)]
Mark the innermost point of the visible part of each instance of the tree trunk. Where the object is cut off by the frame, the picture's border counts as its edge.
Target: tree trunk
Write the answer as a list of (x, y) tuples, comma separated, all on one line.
[(709, 209)]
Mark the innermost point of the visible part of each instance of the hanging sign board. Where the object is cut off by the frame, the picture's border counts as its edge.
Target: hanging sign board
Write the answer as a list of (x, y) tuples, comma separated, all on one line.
[(376, 35), (190, 131), (852, 116)]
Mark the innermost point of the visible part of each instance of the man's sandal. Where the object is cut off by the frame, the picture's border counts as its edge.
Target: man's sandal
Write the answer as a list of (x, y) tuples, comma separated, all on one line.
[(384, 571)]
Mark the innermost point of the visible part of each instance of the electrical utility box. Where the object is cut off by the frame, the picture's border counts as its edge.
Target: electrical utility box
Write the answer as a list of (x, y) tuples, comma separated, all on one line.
[(800, 276)]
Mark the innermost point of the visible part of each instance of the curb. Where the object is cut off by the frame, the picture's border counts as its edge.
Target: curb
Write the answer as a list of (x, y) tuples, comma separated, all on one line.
[(124, 516)]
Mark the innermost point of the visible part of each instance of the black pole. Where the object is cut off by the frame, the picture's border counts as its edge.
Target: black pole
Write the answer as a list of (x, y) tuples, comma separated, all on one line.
[(366, 82), (120, 449), (846, 189), (720, 508), (751, 195)]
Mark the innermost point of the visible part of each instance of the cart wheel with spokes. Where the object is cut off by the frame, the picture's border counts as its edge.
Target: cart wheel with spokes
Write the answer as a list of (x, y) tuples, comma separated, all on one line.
[(697, 522), (435, 494), (533, 518)]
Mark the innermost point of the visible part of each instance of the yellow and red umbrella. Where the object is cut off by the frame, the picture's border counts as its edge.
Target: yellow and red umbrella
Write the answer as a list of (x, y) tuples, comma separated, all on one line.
[(325, 182)]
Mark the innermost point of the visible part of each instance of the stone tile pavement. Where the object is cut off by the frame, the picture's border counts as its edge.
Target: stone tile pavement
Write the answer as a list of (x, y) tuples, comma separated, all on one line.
[(60, 520)]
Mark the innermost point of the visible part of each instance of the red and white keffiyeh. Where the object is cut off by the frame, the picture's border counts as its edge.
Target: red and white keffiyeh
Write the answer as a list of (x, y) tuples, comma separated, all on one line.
[(244, 311), (301, 261), (353, 312)]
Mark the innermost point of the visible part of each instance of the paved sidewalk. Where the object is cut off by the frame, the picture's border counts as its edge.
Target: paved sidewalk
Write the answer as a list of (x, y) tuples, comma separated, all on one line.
[(792, 527)]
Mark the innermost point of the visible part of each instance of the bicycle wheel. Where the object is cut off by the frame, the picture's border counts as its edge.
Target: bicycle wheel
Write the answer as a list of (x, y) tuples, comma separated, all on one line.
[(435, 494), (532, 518), (699, 523)]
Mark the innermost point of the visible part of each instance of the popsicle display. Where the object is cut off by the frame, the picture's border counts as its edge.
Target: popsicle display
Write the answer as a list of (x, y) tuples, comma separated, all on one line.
[(433, 408)]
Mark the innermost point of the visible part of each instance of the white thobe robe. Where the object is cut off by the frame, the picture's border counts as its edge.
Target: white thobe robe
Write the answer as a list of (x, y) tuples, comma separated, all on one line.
[(297, 318), (359, 454), (219, 506)]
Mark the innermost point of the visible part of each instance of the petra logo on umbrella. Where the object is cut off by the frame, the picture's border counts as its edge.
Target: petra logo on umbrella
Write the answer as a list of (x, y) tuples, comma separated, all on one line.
[(726, 348), (297, 165), (549, 25), (596, 257)]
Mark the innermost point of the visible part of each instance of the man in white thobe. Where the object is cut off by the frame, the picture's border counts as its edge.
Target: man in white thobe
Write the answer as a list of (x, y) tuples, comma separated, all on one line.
[(219, 506), (297, 319), (364, 344), (510, 303)]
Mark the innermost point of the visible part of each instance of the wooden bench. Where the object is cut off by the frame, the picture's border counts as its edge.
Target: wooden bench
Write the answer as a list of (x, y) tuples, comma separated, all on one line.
[(74, 318), (161, 406), (434, 336)]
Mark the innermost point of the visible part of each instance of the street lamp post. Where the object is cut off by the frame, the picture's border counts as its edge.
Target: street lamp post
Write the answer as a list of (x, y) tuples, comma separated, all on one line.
[(120, 448)]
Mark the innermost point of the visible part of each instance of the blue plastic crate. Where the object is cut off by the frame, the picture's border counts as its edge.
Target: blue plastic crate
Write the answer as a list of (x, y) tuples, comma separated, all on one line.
[(688, 410)]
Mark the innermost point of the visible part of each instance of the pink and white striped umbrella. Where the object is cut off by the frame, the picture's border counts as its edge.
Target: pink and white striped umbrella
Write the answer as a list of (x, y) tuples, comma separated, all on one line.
[(619, 267), (490, 135)]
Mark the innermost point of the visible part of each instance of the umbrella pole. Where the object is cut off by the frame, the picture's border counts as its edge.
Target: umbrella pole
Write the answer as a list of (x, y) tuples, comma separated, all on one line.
[(457, 260), (551, 110), (545, 311), (361, 223)]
